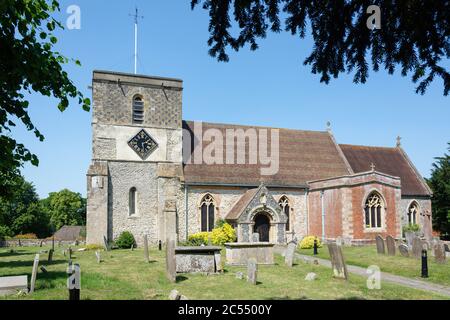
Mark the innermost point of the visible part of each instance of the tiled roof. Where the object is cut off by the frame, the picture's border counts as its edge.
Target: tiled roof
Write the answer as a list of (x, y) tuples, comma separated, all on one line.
[(303, 156), (391, 161), (69, 233), (241, 204)]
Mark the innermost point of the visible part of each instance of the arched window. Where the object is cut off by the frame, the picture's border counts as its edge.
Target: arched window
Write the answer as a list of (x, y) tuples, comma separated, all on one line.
[(132, 201), (413, 211), (207, 209), (286, 208), (138, 110), (373, 210)]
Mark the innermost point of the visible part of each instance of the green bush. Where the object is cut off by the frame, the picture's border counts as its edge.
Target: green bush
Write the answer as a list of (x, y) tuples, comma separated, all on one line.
[(5, 233), (411, 228), (125, 240)]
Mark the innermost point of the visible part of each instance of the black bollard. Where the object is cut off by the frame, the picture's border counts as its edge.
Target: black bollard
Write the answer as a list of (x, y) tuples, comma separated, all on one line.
[(424, 264), (315, 247), (159, 245)]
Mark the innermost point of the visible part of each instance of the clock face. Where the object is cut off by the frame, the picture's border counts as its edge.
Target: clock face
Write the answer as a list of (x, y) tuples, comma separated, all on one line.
[(143, 144)]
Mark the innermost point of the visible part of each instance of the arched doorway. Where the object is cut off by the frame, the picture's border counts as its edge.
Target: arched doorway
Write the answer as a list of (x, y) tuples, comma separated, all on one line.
[(262, 226)]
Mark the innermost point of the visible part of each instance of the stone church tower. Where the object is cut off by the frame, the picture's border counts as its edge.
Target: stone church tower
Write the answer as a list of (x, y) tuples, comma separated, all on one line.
[(136, 156)]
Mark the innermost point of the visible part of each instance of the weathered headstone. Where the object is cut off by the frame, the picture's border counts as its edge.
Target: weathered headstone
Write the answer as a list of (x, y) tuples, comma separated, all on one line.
[(439, 253), (171, 267), (417, 248), (409, 236), (74, 281), (34, 273), (337, 261), (404, 250), (146, 257), (105, 243), (70, 253), (255, 237), (390, 245), (252, 271), (380, 245), (218, 261), (290, 254), (50, 255), (311, 276), (174, 295), (98, 256), (40, 243)]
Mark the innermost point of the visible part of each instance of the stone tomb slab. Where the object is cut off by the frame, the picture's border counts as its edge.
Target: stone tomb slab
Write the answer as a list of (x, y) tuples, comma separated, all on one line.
[(238, 253), (197, 259), (12, 285)]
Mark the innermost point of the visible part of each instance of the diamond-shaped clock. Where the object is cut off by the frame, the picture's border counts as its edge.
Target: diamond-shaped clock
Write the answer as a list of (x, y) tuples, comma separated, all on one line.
[(143, 144)]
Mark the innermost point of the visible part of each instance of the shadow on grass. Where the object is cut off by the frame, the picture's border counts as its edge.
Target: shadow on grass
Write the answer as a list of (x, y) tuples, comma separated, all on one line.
[(288, 298), (15, 253), (27, 263), (181, 278)]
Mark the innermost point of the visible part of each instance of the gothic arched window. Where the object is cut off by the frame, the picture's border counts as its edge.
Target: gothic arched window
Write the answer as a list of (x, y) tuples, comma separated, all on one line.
[(413, 211), (207, 211), (373, 210), (138, 110), (286, 208), (132, 198)]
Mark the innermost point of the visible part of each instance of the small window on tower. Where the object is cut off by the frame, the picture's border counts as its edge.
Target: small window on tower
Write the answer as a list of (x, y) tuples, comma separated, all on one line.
[(138, 110)]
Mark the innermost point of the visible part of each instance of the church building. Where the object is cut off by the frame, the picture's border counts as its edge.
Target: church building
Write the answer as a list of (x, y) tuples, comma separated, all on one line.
[(153, 173)]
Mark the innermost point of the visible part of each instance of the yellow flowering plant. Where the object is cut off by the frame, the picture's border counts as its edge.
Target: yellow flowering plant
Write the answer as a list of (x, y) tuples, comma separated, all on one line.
[(308, 242)]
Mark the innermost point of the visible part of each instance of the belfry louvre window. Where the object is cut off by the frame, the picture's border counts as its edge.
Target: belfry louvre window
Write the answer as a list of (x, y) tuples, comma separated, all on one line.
[(286, 208), (413, 210), (373, 210), (207, 208), (138, 110)]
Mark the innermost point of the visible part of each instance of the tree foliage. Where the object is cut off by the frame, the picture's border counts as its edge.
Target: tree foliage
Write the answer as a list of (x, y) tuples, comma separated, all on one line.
[(65, 208), (414, 35), (440, 185), (28, 63)]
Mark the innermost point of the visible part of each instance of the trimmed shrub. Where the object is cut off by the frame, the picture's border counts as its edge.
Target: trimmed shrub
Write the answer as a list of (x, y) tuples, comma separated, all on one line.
[(125, 240), (219, 236), (308, 242)]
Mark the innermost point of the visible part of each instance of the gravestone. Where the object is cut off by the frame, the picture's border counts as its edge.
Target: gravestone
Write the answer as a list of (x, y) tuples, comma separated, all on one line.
[(404, 250), (50, 255), (70, 253), (13, 284), (74, 281), (337, 261), (43, 269), (239, 275), (311, 276), (339, 241), (105, 243), (40, 243), (390, 245), (290, 254), (439, 253), (417, 248), (34, 273), (426, 245), (380, 245), (98, 256), (255, 237), (174, 295), (252, 271), (171, 267), (53, 244), (146, 258), (218, 261)]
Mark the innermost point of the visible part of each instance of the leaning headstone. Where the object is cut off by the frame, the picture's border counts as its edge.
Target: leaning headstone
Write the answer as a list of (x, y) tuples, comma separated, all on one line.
[(337, 261), (70, 253), (43, 269), (404, 250), (439, 253), (255, 237), (146, 258), (252, 270), (311, 276), (290, 254), (50, 255), (390, 245), (98, 256), (218, 261), (417, 248), (171, 266), (34, 273), (380, 245), (53, 243), (74, 281), (105, 243)]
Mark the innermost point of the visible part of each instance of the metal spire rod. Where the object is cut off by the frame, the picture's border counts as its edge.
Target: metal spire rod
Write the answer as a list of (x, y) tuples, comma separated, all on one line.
[(136, 16)]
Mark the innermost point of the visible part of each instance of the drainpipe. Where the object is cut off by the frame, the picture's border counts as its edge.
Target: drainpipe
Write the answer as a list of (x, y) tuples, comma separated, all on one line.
[(186, 212), (323, 215), (307, 212)]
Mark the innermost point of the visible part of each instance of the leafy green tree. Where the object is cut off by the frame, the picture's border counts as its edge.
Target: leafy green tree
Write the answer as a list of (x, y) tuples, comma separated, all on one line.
[(65, 208), (414, 35), (21, 212), (440, 184), (28, 63)]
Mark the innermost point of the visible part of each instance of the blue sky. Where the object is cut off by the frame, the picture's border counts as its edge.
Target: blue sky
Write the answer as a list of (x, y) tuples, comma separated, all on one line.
[(268, 87)]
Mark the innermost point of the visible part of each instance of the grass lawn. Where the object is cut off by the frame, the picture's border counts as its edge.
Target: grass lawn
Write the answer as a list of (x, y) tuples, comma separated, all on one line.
[(399, 265), (125, 275)]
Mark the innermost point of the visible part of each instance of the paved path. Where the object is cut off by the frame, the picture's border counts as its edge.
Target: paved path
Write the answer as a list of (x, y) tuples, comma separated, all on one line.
[(387, 277)]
